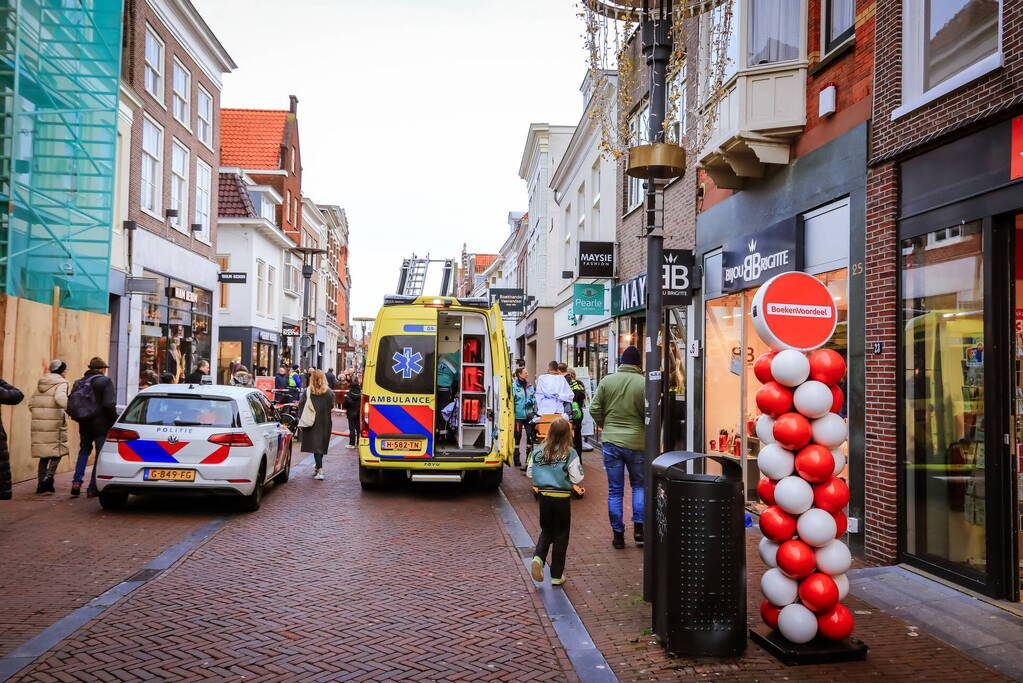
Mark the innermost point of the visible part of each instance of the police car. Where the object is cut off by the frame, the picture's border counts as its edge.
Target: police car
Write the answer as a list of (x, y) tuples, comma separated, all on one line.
[(187, 438)]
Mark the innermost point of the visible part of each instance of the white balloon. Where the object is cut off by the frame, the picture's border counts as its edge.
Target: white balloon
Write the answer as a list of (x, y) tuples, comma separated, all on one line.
[(775, 462), (797, 623), (791, 368), (839, 461), (765, 429), (768, 551), (816, 527), (813, 399), (779, 589), (833, 558), (829, 431), (793, 495), (842, 581)]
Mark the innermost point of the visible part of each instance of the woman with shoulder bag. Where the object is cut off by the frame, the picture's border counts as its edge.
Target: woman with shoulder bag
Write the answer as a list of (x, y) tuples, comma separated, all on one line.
[(315, 419)]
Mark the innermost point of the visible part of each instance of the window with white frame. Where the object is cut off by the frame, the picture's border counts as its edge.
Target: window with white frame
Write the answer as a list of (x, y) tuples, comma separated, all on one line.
[(677, 106), (839, 22), (267, 209), (946, 44), (271, 278), (179, 184), (719, 46), (181, 88), (153, 66), (566, 248), (203, 197), (204, 116), (292, 162), (639, 134), (152, 167), (580, 210), (295, 215), (774, 31), (287, 206), (260, 286), (291, 272)]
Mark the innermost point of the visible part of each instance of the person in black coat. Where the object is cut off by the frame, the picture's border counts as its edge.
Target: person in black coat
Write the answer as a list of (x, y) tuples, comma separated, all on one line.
[(352, 403), (202, 369), (93, 430), (9, 396), (331, 379), (316, 438)]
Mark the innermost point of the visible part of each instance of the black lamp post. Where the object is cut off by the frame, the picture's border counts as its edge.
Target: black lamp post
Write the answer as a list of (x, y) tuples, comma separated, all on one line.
[(308, 255)]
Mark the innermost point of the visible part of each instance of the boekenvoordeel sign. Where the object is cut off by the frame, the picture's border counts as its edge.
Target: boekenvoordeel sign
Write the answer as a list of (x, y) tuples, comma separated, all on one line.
[(596, 259), (794, 311), (755, 258), (510, 300)]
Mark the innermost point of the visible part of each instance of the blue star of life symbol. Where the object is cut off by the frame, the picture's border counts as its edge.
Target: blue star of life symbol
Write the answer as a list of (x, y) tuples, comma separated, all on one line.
[(407, 363)]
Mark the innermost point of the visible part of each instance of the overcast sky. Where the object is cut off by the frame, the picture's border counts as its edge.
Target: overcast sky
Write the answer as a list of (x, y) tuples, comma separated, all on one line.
[(412, 113)]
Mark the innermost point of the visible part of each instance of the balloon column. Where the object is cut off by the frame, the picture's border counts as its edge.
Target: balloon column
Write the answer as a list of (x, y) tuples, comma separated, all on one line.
[(800, 459)]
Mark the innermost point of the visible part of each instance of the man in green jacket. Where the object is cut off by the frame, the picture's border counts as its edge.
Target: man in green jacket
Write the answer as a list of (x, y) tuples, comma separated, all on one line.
[(619, 409)]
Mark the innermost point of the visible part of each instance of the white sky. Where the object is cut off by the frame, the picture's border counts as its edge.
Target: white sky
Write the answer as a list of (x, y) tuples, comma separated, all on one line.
[(412, 113)]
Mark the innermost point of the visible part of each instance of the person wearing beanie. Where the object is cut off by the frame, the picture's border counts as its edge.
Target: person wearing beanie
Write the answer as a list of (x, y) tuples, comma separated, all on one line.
[(619, 408), (96, 391), (49, 423)]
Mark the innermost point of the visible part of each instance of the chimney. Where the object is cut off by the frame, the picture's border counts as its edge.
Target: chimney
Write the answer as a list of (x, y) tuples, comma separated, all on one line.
[(294, 104)]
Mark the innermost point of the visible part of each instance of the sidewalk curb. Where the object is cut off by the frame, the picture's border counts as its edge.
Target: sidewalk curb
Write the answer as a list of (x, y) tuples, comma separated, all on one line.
[(587, 660)]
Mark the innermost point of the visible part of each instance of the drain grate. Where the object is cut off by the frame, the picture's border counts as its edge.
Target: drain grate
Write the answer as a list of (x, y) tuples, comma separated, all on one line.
[(144, 575)]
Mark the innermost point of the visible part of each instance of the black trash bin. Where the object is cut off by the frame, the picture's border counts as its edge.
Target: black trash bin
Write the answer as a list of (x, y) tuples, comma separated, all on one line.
[(699, 555)]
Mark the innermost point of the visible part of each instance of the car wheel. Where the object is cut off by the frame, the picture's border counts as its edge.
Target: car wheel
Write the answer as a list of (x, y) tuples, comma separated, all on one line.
[(251, 502), (369, 479), (285, 474), (113, 500), (490, 480)]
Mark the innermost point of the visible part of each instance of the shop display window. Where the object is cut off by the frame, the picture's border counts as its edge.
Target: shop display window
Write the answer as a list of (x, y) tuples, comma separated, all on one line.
[(175, 333)]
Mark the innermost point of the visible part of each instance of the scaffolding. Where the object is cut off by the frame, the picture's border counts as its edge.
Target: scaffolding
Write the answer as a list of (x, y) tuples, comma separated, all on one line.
[(59, 78)]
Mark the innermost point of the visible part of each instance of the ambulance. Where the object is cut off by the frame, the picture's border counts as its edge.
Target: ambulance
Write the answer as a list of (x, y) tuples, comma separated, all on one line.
[(436, 400)]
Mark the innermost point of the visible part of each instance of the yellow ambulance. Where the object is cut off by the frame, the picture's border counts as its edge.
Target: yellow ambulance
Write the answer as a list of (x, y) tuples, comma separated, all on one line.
[(436, 399)]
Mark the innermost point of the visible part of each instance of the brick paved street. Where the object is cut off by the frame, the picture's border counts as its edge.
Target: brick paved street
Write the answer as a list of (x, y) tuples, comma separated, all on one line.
[(605, 587)]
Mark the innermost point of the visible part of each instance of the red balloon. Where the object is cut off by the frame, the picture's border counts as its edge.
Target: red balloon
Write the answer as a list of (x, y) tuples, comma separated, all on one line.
[(762, 367), (765, 488), (837, 399), (818, 592), (835, 624), (842, 522), (773, 399), (832, 495), (777, 524), (827, 366), (792, 432), (796, 558), (769, 613), (815, 463)]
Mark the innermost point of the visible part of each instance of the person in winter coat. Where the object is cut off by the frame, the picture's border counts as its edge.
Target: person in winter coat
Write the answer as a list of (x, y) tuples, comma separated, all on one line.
[(93, 429), (552, 392), (49, 423), (9, 396), (241, 377), (619, 409), (525, 404), (352, 403), (316, 437), (556, 470), (331, 379), (202, 369)]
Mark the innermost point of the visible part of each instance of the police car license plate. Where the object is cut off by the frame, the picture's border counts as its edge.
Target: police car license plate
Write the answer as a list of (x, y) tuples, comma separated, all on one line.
[(167, 474), (401, 444)]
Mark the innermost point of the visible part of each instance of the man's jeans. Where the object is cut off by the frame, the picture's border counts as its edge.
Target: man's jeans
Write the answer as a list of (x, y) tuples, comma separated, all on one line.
[(616, 461), (89, 441)]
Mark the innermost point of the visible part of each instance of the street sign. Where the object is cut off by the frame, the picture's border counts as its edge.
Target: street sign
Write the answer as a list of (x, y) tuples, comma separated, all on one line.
[(794, 311), (238, 278), (141, 285), (596, 259), (510, 300), (289, 330), (587, 299), (677, 285)]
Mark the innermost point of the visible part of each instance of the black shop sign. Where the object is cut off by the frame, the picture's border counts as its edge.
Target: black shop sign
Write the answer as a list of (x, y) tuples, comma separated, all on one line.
[(510, 300), (676, 284), (755, 258), (596, 259)]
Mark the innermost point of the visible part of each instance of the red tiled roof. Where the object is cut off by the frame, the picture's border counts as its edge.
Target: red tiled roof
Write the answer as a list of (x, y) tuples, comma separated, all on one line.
[(252, 138), (232, 198), (484, 261)]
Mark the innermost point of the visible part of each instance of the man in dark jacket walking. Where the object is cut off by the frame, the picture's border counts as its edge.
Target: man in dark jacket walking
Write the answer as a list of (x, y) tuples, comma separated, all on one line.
[(93, 429), (9, 396), (352, 404)]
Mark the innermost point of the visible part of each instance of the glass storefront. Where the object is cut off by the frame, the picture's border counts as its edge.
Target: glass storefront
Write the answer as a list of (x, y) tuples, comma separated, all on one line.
[(175, 333), (587, 352)]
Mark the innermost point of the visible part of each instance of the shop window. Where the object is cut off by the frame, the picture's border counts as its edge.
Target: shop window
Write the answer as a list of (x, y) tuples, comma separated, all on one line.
[(724, 361)]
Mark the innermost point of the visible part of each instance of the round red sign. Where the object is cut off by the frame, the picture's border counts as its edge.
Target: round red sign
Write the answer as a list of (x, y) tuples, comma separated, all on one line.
[(794, 311)]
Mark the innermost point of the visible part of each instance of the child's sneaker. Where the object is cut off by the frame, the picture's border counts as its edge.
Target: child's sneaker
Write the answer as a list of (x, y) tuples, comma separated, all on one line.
[(558, 582), (537, 569)]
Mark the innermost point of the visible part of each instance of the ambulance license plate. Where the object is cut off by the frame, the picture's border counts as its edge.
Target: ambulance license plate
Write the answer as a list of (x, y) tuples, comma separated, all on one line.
[(167, 474), (401, 444)]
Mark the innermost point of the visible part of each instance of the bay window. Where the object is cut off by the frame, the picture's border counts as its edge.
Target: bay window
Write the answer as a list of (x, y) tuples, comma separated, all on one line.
[(774, 31)]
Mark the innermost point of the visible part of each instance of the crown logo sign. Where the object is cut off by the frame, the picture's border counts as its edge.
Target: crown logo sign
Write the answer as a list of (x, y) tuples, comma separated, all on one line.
[(670, 258), (752, 245)]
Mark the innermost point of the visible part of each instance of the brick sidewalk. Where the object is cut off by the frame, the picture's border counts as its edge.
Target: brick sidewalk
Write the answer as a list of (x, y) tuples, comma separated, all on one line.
[(59, 552), (606, 587)]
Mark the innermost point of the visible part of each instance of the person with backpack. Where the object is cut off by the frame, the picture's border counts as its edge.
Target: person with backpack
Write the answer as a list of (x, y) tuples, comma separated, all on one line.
[(49, 424), (352, 403), (555, 469), (575, 412), (9, 396), (92, 403)]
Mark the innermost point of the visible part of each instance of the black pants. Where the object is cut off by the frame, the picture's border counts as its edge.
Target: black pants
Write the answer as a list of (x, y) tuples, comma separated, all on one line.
[(47, 468), (318, 457), (577, 436), (555, 525), (353, 429)]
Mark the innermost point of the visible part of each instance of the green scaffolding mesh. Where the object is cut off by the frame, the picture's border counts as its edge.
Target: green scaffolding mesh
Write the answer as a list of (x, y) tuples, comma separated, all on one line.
[(59, 77)]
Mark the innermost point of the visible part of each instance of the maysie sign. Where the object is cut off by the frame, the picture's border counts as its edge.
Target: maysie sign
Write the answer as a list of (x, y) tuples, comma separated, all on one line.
[(596, 259), (588, 299)]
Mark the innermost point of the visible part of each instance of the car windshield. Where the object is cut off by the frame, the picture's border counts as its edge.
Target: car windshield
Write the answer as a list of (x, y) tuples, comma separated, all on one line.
[(181, 411)]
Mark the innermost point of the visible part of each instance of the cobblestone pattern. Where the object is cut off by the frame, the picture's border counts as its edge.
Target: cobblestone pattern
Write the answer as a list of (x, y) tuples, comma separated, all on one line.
[(327, 582), (605, 587)]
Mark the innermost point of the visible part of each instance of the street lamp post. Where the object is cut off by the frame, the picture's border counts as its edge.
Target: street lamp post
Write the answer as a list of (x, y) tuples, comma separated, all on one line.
[(308, 255), (363, 348)]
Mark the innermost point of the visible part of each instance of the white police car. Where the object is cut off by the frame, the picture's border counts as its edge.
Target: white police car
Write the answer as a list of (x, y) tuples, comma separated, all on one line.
[(188, 438)]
